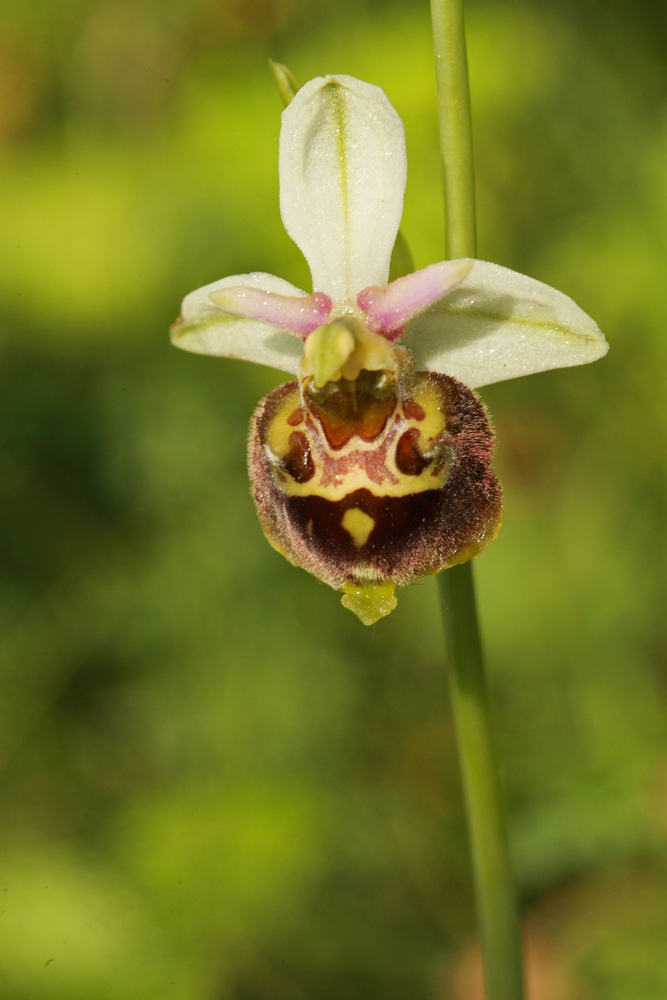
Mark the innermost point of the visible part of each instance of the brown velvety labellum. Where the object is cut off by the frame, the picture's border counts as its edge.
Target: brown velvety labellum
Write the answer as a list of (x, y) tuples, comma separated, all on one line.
[(373, 486)]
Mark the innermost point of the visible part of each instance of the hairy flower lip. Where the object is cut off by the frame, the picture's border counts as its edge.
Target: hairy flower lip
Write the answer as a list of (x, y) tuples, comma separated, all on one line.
[(466, 508)]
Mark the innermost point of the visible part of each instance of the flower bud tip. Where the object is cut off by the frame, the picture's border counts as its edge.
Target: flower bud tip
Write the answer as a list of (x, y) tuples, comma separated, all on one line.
[(288, 85)]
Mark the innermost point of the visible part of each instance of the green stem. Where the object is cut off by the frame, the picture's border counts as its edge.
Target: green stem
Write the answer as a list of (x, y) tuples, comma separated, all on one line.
[(455, 121), (497, 909)]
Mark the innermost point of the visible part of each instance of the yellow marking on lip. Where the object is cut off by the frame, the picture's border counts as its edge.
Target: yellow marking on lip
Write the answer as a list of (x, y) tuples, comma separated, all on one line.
[(429, 397), (386, 481), (358, 525), (329, 483), (279, 429)]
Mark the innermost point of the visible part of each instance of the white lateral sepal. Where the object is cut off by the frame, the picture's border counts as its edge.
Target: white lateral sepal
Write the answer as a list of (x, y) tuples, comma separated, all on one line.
[(499, 324), (206, 328)]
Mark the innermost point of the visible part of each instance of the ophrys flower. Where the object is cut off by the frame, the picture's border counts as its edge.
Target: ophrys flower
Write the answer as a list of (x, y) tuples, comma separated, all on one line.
[(374, 468)]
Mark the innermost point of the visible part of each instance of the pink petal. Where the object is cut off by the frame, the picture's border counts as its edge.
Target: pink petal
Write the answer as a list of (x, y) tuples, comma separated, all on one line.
[(296, 313), (389, 309)]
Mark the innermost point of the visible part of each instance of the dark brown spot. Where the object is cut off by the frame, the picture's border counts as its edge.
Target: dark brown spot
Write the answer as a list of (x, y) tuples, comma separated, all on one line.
[(296, 417), (409, 459), (413, 411), (298, 461)]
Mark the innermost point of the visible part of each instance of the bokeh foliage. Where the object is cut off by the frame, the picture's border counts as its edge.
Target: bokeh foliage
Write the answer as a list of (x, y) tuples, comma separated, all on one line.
[(216, 782)]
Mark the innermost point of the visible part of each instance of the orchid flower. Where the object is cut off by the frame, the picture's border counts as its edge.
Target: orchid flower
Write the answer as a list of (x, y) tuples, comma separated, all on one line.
[(374, 467)]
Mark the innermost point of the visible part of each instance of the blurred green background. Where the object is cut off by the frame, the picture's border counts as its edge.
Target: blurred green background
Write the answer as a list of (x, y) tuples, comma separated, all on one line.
[(217, 784)]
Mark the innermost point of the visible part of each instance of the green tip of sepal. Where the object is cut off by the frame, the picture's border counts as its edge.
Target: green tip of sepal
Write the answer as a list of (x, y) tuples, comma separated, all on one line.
[(370, 601), (288, 85)]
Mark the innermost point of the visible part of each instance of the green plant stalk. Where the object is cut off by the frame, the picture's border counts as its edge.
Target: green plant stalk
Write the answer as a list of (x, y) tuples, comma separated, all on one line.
[(497, 909), (455, 122)]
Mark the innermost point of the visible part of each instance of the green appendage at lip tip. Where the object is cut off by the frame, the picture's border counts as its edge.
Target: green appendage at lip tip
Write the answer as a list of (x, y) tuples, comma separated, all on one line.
[(370, 601)]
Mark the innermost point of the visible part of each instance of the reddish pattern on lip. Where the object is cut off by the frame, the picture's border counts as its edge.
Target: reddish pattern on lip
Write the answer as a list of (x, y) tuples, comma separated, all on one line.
[(344, 415), (411, 535)]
